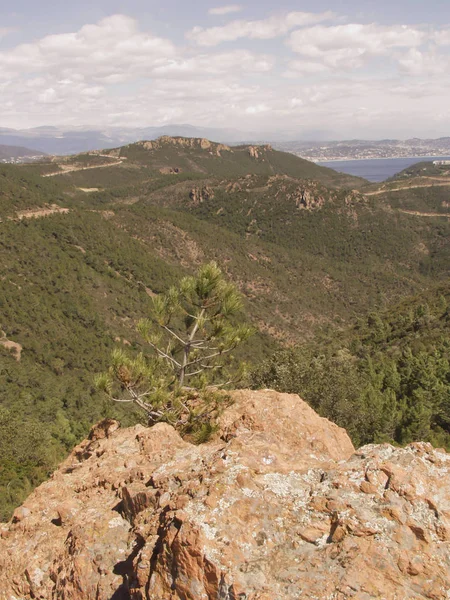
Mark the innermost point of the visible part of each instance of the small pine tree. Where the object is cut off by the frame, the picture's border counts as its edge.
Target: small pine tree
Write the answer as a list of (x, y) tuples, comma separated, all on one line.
[(190, 336)]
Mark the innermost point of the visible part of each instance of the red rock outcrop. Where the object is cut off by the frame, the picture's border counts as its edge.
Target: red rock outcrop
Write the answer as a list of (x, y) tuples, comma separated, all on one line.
[(197, 143), (277, 506)]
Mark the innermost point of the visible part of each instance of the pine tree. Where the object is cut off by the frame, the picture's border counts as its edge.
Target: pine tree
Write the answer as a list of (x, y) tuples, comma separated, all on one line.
[(190, 335)]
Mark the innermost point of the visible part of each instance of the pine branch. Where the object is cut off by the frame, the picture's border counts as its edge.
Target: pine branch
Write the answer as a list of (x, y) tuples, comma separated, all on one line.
[(164, 355), (174, 335)]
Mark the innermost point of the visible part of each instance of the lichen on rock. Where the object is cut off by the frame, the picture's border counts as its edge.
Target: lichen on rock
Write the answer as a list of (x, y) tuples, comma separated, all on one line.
[(277, 505)]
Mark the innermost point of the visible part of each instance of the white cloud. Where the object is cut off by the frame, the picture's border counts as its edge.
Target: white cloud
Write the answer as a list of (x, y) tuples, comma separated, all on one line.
[(237, 61), (96, 75), (355, 79), (113, 47), (429, 63), (264, 29), (301, 68), (257, 109), (349, 46), (225, 10), (442, 37)]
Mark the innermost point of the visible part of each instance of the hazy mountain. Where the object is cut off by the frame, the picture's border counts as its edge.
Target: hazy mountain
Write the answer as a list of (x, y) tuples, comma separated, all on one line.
[(54, 140), (18, 153), (60, 141)]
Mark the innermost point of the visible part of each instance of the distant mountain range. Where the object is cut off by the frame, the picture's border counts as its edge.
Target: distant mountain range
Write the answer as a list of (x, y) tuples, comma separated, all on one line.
[(59, 141), (54, 140)]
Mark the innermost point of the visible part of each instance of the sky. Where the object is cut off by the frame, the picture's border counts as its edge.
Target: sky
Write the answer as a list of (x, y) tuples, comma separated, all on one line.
[(311, 69)]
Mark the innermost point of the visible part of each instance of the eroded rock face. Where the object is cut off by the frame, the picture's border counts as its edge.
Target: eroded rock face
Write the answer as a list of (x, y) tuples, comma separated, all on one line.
[(199, 195), (258, 151), (278, 506), (199, 143)]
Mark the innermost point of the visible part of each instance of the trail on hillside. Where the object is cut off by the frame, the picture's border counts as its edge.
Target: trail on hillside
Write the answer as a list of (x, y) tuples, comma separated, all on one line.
[(423, 214), (38, 213), (72, 169), (406, 187)]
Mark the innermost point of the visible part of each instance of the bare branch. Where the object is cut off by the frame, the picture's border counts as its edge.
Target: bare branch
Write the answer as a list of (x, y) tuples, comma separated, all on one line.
[(194, 373), (164, 355), (174, 335), (204, 358), (121, 399), (219, 385)]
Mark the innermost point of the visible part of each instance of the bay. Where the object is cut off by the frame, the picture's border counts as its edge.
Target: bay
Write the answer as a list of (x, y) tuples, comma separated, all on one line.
[(377, 169)]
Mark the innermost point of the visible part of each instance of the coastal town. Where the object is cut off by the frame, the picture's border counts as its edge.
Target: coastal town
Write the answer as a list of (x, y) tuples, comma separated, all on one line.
[(367, 149)]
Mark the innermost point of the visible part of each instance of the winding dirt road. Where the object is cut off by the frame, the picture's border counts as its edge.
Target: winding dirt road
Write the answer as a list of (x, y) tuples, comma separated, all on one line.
[(407, 187)]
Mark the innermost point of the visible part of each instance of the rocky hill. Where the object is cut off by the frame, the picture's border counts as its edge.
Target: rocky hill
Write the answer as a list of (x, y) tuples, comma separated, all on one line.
[(278, 505), (195, 157)]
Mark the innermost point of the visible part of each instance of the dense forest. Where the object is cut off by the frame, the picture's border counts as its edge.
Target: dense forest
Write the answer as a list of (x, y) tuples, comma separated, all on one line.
[(347, 292), (386, 379)]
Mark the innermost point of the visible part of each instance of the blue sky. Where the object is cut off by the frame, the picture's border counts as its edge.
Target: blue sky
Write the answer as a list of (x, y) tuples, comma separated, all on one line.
[(315, 68)]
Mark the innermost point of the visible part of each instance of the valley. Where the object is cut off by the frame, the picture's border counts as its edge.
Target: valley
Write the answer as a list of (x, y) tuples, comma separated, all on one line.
[(86, 240)]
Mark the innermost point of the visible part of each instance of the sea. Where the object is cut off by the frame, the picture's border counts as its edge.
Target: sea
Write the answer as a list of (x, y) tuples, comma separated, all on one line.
[(377, 169)]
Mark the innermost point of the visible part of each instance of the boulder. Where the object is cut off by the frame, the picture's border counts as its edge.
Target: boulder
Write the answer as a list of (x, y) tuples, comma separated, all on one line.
[(277, 505)]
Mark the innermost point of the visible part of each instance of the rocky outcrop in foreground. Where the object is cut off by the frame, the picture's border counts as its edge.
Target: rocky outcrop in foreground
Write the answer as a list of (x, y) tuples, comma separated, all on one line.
[(278, 506)]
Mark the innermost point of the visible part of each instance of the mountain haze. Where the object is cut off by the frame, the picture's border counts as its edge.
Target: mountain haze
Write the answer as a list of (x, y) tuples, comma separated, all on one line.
[(12, 153)]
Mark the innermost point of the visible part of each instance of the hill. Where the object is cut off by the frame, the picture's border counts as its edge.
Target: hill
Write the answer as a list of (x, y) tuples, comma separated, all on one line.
[(18, 154), (86, 240), (387, 378), (197, 157), (423, 169), (420, 190), (22, 188)]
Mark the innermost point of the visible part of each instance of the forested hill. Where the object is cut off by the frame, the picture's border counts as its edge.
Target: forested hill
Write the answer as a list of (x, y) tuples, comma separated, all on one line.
[(85, 241), (23, 188), (387, 379)]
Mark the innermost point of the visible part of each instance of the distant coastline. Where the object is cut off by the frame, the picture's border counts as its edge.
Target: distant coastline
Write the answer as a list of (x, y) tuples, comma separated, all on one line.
[(349, 159), (377, 169)]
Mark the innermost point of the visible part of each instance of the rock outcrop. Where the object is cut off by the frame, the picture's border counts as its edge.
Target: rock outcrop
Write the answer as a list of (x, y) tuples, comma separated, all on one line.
[(199, 195), (183, 142), (277, 506), (13, 347), (259, 151)]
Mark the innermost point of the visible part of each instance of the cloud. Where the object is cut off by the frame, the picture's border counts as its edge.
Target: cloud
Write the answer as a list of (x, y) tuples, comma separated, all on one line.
[(257, 109), (350, 46), (264, 29), (442, 37), (418, 63), (355, 79), (299, 68), (96, 75), (225, 10), (114, 51), (113, 47), (237, 61)]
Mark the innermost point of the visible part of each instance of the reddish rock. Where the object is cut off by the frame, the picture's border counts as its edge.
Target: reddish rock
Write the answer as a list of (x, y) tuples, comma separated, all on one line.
[(278, 505)]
